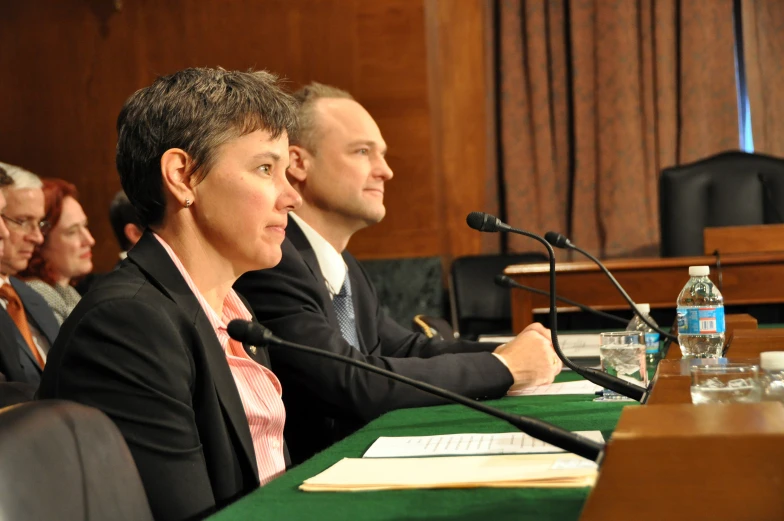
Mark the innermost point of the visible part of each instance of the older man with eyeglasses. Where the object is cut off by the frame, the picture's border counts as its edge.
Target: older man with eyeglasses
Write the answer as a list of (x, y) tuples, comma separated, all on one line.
[(28, 326)]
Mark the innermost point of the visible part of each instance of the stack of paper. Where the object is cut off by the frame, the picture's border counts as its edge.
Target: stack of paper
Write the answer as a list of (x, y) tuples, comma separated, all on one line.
[(583, 345), (562, 388), (529, 470), (464, 445)]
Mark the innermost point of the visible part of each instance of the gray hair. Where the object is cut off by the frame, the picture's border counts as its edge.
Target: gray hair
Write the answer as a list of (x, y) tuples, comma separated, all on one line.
[(22, 178), (196, 110)]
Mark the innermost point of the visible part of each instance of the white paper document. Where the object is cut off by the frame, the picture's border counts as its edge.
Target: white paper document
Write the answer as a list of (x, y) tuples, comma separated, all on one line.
[(561, 388), (464, 445), (573, 346)]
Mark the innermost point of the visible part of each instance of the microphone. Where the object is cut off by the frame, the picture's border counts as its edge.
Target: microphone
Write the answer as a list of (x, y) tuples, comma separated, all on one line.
[(254, 333), (507, 282), (485, 222), (480, 220), (559, 241)]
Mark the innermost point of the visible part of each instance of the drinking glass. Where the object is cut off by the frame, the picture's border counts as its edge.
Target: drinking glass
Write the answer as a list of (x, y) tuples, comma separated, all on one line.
[(725, 383), (622, 354)]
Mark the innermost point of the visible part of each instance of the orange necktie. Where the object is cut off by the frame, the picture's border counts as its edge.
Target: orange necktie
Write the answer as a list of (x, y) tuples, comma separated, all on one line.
[(17, 313)]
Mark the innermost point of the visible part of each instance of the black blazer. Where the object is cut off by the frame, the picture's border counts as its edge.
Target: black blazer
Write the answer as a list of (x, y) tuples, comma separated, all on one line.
[(140, 348), (17, 363), (326, 400)]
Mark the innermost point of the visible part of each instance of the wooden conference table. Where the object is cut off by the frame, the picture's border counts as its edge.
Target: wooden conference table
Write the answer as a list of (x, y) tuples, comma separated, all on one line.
[(756, 278)]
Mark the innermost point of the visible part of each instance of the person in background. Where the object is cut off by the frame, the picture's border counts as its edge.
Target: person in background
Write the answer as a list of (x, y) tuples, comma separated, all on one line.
[(127, 230), (148, 345), (320, 295), (125, 223), (66, 253), (27, 324), (11, 392)]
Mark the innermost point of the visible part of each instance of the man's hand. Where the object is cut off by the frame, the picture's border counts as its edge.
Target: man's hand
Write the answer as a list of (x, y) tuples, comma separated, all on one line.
[(530, 357)]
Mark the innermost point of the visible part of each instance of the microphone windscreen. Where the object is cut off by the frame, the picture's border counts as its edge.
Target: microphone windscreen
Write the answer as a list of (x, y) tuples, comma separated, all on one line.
[(478, 221), (238, 330), (502, 280), (556, 239)]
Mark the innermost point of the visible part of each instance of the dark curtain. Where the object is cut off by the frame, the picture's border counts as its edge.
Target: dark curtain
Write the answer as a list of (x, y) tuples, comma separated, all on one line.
[(763, 44), (595, 98)]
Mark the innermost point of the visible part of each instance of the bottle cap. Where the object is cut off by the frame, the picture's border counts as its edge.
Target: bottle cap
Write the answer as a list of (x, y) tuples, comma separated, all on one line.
[(772, 361), (644, 309), (699, 271)]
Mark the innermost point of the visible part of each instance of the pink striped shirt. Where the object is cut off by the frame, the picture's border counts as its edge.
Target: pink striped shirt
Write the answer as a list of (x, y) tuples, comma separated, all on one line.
[(258, 387)]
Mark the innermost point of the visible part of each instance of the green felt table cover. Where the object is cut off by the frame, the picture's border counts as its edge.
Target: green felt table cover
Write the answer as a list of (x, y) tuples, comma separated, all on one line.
[(281, 499)]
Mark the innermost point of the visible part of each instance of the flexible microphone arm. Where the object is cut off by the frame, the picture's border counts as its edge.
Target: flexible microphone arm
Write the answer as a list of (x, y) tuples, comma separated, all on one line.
[(560, 241), (488, 223), (507, 282), (254, 333)]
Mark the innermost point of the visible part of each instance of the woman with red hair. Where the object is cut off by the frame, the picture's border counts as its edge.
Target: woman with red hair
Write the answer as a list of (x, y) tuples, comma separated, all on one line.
[(66, 252)]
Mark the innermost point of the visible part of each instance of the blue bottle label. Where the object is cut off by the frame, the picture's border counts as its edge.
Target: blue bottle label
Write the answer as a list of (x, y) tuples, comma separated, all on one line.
[(651, 343), (700, 321)]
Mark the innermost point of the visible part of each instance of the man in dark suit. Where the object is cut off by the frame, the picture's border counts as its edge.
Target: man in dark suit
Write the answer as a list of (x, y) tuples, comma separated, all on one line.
[(319, 294), (28, 327)]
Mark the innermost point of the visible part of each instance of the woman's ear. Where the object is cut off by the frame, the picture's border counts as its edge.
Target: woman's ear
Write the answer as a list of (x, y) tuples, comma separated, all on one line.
[(176, 174)]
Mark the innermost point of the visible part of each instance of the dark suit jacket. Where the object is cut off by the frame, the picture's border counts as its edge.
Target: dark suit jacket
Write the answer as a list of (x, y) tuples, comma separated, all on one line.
[(327, 400), (17, 363), (140, 348)]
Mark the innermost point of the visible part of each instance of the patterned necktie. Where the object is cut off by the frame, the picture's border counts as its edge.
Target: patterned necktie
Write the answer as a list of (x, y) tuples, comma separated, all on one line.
[(344, 309), (17, 313)]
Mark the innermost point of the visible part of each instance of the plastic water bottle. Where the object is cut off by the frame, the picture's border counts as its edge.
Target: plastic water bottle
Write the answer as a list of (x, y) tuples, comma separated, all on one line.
[(772, 377), (651, 337), (700, 316)]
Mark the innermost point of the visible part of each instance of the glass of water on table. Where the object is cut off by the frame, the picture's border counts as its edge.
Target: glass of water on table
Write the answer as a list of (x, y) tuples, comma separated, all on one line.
[(725, 383), (622, 354)]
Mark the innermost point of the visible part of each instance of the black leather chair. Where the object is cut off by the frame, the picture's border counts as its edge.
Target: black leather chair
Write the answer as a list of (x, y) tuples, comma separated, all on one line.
[(65, 461), (728, 189), (479, 307)]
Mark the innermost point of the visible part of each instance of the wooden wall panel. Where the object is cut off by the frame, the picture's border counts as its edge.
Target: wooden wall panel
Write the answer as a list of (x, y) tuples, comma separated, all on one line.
[(460, 60), (70, 64)]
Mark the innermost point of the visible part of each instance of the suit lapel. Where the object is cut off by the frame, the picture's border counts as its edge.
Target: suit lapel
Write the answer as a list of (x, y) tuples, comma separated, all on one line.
[(18, 342), (150, 256), (35, 310), (300, 242)]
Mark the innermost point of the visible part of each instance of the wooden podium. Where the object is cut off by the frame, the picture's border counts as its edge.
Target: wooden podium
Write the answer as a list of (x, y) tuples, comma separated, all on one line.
[(672, 382), (748, 279), (733, 323), (685, 462), (751, 342), (673, 460), (744, 239)]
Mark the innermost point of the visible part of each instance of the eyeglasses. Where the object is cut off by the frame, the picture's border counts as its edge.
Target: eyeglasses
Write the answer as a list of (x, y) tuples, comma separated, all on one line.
[(29, 225)]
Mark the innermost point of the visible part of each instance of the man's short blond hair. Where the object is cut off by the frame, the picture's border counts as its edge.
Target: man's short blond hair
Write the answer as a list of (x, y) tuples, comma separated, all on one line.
[(307, 133)]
